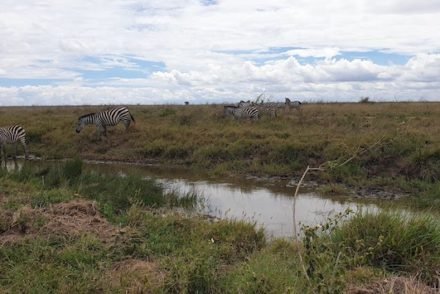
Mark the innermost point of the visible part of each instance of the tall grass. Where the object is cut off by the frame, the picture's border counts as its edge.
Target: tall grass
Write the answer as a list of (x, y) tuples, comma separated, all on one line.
[(395, 242)]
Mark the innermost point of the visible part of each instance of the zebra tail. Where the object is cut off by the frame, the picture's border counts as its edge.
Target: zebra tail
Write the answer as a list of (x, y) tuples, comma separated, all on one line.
[(132, 118)]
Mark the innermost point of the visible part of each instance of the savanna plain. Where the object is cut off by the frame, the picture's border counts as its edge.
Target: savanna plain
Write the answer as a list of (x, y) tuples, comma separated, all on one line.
[(65, 228)]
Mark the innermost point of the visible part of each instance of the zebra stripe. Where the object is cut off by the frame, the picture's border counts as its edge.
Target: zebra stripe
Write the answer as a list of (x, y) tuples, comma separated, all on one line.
[(270, 108), (249, 112), (12, 135), (104, 119)]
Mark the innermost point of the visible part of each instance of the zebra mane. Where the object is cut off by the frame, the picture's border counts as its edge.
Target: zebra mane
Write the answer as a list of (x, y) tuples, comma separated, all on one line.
[(86, 115)]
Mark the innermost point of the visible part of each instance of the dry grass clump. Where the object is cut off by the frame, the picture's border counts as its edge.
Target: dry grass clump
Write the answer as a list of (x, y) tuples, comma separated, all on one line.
[(394, 285), (136, 276), (71, 219)]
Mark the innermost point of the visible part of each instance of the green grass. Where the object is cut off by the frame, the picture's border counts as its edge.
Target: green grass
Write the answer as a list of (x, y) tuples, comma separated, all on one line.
[(395, 242), (275, 269), (49, 266), (190, 254), (180, 252), (198, 136), (60, 182), (190, 251)]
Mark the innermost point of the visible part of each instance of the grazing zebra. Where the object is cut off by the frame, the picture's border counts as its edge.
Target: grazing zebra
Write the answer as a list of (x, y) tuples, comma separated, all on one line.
[(293, 104), (270, 108), (248, 112), (106, 118), (13, 135)]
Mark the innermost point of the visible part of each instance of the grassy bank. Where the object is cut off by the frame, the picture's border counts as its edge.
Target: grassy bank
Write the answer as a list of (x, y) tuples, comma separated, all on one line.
[(64, 229), (406, 159)]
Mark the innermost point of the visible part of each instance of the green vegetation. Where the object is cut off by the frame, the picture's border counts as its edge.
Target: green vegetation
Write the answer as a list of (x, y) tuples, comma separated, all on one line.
[(64, 229), (407, 159)]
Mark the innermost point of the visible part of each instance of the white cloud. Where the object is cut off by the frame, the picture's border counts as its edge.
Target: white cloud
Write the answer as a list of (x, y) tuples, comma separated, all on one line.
[(48, 39)]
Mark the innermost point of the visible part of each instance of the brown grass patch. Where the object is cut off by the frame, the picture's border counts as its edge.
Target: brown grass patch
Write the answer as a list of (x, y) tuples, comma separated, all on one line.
[(395, 285), (69, 219), (136, 276)]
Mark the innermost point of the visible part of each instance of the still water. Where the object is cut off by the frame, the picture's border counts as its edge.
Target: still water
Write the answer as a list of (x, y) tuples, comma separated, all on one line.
[(267, 203)]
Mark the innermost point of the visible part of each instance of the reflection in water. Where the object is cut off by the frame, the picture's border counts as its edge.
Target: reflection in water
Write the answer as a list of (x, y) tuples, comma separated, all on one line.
[(267, 203), (272, 211)]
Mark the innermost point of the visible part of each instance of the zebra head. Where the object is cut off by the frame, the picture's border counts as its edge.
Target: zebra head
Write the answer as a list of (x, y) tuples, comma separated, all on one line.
[(292, 103), (84, 120), (228, 110), (244, 103)]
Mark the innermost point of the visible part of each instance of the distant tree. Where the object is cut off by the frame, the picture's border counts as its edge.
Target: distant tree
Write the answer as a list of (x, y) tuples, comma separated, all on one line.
[(365, 100)]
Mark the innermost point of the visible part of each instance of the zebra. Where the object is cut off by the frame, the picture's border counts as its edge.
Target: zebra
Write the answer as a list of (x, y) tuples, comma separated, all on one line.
[(245, 103), (249, 112), (13, 135), (293, 104), (270, 108), (106, 118)]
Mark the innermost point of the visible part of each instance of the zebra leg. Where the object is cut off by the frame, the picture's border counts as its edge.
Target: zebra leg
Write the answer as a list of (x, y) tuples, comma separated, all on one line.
[(3, 154), (26, 153), (99, 131), (14, 157), (127, 124), (16, 151)]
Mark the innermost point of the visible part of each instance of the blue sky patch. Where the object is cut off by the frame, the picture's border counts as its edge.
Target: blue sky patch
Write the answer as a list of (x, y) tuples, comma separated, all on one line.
[(118, 67), (278, 53), (208, 2), (377, 57), (11, 82), (95, 69)]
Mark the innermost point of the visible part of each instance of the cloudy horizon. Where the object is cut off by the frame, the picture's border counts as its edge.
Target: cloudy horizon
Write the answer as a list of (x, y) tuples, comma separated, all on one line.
[(76, 52)]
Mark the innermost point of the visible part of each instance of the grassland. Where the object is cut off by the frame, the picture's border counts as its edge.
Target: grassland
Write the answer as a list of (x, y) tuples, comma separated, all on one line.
[(406, 159), (65, 229)]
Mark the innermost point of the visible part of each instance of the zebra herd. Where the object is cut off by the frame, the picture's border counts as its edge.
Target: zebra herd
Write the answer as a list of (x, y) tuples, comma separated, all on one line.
[(16, 134), (244, 110), (252, 111)]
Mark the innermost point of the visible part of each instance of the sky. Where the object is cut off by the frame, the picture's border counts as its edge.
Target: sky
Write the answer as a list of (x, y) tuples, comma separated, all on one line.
[(74, 52)]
